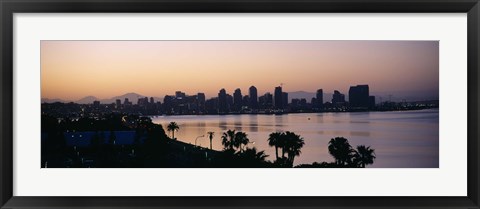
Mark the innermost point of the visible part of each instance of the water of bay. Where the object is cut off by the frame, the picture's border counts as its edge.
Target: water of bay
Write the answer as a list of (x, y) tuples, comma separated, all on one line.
[(403, 139)]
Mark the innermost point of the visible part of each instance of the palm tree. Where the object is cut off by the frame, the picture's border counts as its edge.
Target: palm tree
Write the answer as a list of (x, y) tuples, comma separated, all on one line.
[(281, 142), (210, 136), (172, 126), (232, 139), (364, 155), (273, 140), (241, 139), (293, 145), (228, 139), (252, 157), (340, 149)]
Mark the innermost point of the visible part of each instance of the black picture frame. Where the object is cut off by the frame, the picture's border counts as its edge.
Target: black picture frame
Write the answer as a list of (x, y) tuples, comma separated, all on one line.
[(9, 7)]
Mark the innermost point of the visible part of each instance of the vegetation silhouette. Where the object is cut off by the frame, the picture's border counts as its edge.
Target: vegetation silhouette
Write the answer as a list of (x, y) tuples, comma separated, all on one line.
[(173, 126), (273, 141), (228, 140), (210, 136), (293, 145), (290, 143), (364, 156), (345, 156), (232, 140), (148, 146), (341, 150)]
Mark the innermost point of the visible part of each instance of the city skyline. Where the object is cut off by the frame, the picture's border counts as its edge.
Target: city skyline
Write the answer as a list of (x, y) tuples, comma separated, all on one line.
[(72, 70)]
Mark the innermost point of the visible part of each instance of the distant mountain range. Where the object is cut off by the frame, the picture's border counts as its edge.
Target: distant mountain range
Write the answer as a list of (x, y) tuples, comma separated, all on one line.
[(132, 97), (327, 97)]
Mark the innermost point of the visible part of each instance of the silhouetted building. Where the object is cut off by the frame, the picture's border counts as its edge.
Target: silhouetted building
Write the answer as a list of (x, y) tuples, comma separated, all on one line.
[(252, 93), (152, 101), (201, 102), (319, 99), (338, 99), (222, 101), (179, 95), (118, 103), (284, 100), (229, 102), (358, 97), (303, 102), (96, 104), (245, 101), (278, 97), (266, 101), (237, 100), (314, 102), (168, 104), (295, 103), (211, 105), (371, 102), (142, 102), (127, 103)]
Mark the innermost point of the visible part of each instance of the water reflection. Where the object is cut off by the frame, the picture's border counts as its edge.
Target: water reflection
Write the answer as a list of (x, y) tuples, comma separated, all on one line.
[(400, 139)]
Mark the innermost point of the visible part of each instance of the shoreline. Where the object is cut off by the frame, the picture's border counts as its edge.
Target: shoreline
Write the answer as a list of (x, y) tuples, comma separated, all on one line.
[(293, 113)]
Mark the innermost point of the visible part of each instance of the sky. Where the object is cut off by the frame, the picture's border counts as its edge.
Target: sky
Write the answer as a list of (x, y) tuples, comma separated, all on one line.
[(71, 70)]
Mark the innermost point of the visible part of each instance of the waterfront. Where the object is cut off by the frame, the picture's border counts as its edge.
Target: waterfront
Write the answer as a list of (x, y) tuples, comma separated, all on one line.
[(400, 139)]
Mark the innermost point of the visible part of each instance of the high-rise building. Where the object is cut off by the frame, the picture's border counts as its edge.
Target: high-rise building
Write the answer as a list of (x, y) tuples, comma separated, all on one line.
[(201, 102), (268, 100), (252, 93), (222, 101), (246, 101), (211, 106), (152, 101), (118, 103), (229, 102), (278, 97), (142, 101), (237, 100), (338, 99), (285, 99), (179, 94), (168, 104), (319, 99), (358, 96)]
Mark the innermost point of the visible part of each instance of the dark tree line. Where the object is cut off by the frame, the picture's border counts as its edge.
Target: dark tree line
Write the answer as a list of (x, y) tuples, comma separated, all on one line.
[(152, 147)]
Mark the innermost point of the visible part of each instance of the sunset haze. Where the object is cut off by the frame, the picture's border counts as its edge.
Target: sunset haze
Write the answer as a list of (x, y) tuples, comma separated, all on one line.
[(71, 70)]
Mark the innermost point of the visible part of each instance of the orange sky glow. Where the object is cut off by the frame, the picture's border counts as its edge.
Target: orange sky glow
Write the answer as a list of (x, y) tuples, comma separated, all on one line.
[(71, 70)]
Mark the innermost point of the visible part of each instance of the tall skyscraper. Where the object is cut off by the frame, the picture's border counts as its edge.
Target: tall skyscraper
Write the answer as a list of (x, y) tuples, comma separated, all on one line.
[(252, 93), (278, 97), (319, 99), (118, 103), (285, 99), (229, 102), (222, 101), (265, 101), (237, 100), (358, 96), (201, 102), (338, 98)]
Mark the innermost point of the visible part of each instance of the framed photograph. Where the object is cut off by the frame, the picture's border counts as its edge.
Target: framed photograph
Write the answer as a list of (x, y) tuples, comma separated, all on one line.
[(263, 104)]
